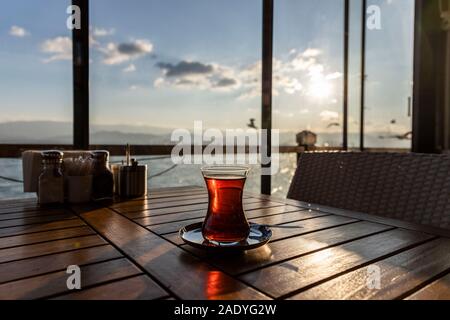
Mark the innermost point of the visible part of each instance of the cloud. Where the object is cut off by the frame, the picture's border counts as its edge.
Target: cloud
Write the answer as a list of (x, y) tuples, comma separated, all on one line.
[(16, 31), (123, 52), (100, 32), (95, 32), (184, 68), (197, 75), (225, 82), (311, 52), (250, 93), (288, 84), (59, 48), (316, 71), (159, 82), (334, 75), (130, 68), (328, 115), (182, 83), (300, 72), (301, 64), (289, 75)]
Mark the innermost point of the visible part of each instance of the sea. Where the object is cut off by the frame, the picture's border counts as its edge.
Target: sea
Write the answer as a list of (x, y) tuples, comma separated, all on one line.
[(162, 172)]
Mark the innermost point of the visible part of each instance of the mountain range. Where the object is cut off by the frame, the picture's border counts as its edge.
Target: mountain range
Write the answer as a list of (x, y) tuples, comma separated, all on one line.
[(54, 132), (49, 132)]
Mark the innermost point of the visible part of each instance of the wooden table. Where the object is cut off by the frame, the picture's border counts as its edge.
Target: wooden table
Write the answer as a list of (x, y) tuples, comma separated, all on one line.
[(131, 250)]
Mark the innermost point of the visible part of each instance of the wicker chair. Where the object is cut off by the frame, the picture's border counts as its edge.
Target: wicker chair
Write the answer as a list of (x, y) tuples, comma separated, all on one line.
[(409, 187)]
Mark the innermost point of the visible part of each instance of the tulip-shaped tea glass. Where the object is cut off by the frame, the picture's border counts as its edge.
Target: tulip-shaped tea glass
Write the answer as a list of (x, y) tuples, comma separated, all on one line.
[(225, 220)]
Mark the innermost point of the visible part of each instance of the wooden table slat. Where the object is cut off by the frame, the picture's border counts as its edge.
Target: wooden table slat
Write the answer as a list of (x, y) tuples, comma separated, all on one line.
[(295, 214), (172, 266), (16, 202), (172, 227), (284, 217), (135, 288), (255, 212), (152, 208), (132, 250), (188, 210), (159, 205), (162, 211), (258, 204), (35, 220), (168, 218), (293, 275), (175, 189), (145, 202), (35, 213), (10, 271), (421, 263), (250, 213), (140, 203), (437, 290), (54, 225), (174, 238), (19, 208), (158, 195), (56, 282), (44, 236), (152, 194), (255, 204), (315, 239), (34, 250)]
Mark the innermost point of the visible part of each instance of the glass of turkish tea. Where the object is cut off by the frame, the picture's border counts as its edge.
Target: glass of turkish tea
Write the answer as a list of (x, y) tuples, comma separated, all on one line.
[(225, 220)]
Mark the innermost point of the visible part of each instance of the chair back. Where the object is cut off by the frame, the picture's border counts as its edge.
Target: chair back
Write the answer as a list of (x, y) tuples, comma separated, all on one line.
[(405, 186)]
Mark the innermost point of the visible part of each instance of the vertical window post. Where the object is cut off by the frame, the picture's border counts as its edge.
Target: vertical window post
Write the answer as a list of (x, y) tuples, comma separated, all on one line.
[(266, 110), (430, 55), (363, 73), (346, 54), (80, 49)]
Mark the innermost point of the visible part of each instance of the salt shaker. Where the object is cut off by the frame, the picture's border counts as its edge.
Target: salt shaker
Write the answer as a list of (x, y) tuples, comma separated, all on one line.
[(51, 180)]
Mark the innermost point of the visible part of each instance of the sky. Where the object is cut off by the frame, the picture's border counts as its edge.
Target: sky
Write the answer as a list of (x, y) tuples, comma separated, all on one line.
[(167, 63)]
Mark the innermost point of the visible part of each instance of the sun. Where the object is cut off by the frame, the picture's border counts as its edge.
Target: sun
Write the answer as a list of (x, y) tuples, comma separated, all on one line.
[(320, 88)]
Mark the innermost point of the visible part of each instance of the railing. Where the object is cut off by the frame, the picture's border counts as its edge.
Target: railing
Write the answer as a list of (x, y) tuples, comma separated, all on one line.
[(15, 150)]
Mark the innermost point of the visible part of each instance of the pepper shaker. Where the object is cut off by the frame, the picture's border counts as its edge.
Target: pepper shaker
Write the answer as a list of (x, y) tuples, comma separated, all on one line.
[(102, 177)]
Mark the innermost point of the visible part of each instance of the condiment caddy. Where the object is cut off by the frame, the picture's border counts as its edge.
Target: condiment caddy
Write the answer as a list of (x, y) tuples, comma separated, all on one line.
[(83, 177)]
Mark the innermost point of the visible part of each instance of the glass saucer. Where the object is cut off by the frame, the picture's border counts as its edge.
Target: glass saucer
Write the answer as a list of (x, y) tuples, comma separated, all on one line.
[(259, 235)]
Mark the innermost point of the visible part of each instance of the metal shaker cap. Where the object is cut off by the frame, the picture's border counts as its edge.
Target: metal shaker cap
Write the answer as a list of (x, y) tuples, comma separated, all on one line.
[(100, 155), (52, 156), (134, 168)]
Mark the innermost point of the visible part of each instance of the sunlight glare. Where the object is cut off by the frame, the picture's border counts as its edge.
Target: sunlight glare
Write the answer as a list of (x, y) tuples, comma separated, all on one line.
[(320, 88)]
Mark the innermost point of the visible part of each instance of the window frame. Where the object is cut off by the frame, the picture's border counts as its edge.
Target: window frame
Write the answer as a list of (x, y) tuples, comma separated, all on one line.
[(80, 42)]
